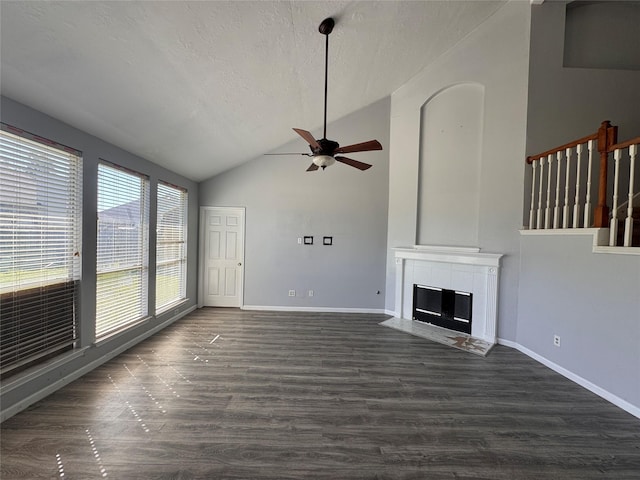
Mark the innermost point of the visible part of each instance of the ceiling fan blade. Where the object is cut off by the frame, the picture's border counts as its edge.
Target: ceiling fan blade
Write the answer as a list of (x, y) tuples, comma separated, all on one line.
[(307, 136), (312, 168), (353, 163), (360, 147), (305, 154)]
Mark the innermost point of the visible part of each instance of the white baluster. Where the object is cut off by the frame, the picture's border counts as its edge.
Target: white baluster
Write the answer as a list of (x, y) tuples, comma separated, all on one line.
[(576, 204), (628, 223), (556, 208), (565, 210), (533, 195), (547, 212), (613, 228), (539, 216), (587, 203)]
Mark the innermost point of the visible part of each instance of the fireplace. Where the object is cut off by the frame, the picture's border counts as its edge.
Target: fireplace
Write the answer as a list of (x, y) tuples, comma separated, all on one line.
[(443, 307), (462, 270)]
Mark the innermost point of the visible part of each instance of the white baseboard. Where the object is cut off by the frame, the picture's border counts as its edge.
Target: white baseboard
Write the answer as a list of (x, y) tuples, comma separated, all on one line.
[(393, 313), (279, 308), (507, 343), (601, 392), (58, 384)]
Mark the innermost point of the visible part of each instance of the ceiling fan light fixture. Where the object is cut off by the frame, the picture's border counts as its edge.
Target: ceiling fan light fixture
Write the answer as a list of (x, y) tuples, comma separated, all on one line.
[(323, 161)]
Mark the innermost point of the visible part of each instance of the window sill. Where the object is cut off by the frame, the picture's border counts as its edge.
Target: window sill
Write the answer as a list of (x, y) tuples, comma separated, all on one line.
[(122, 331), (41, 369), (177, 304)]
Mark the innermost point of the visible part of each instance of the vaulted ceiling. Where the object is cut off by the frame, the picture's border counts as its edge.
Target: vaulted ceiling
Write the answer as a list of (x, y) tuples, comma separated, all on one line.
[(202, 86)]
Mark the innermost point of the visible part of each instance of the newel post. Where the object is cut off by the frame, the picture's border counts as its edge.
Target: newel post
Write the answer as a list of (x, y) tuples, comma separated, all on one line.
[(607, 136)]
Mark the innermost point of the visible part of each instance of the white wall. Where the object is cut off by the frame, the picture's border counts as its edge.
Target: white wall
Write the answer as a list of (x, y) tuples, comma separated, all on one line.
[(284, 202), (494, 56), (590, 300)]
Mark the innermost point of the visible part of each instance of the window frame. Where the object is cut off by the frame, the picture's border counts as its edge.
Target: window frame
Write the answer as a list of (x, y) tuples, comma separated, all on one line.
[(177, 243), (40, 243), (118, 307)]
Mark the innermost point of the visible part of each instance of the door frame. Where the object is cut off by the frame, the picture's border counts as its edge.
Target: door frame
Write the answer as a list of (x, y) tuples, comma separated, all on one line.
[(201, 252)]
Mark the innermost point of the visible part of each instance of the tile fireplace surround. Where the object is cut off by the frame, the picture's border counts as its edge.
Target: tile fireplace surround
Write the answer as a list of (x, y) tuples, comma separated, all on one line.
[(464, 269)]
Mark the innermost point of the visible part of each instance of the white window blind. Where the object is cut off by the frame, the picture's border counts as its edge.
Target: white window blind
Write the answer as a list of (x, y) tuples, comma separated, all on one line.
[(40, 239), (171, 250), (122, 249)]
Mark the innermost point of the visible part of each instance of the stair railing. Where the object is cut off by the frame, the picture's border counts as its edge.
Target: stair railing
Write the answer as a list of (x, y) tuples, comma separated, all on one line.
[(625, 151), (541, 214), (554, 205)]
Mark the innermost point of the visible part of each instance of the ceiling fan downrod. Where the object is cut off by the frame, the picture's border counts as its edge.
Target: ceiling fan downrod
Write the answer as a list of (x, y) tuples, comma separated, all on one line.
[(323, 150), (325, 28)]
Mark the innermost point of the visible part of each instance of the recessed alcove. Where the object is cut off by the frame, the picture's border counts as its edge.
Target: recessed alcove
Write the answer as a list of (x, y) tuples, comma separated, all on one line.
[(449, 169)]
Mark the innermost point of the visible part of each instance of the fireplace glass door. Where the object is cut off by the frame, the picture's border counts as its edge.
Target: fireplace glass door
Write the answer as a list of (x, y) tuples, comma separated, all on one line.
[(445, 308)]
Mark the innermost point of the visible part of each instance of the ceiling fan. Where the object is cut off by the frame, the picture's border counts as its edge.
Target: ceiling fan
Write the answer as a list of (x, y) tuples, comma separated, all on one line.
[(325, 152)]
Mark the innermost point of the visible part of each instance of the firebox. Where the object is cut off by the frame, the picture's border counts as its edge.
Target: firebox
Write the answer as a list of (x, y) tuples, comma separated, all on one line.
[(445, 308)]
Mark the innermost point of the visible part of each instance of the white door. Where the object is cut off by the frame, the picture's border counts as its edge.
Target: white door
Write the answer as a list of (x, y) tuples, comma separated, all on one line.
[(222, 256)]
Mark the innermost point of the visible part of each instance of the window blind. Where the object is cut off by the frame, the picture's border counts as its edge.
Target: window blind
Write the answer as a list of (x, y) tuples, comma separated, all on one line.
[(40, 240), (171, 246), (122, 249)]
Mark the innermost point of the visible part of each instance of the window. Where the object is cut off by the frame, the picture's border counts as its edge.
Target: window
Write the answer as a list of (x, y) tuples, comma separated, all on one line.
[(122, 249), (171, 253), (40, 239)]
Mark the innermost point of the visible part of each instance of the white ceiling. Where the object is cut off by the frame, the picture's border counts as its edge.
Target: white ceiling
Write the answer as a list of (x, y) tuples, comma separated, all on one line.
[(201, 86)]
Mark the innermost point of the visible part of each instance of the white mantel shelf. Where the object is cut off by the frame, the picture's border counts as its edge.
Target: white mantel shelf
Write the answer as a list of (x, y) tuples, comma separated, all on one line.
[(458, 255), (457, 268)]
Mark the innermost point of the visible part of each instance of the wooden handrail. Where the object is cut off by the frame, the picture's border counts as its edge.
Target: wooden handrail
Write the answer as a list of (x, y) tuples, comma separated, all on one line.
[(575, 143), (628, 143), (606, 125), (610, 147)]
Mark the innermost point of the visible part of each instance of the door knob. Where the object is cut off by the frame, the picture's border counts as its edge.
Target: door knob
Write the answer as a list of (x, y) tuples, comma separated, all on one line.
[(239, 264)]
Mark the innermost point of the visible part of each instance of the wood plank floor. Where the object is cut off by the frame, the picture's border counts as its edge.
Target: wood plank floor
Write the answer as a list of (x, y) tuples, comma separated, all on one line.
[(226, 394)]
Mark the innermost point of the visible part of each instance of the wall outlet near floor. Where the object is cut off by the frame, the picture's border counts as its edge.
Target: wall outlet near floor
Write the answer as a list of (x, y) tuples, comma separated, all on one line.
[(292, 293), (556, 340), (311, 293)]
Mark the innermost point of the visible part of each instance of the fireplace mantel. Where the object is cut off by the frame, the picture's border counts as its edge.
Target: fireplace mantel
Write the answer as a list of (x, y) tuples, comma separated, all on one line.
[(457, 268)]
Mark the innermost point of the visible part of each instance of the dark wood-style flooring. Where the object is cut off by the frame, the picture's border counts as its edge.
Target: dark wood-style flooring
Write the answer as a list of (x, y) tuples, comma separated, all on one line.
[(227, 394)]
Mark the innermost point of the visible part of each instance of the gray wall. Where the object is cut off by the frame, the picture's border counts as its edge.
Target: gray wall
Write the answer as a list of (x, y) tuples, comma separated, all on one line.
[(284, 202), (589, 23), (19, 394), (569, 103), (590, 300), (494, 56)]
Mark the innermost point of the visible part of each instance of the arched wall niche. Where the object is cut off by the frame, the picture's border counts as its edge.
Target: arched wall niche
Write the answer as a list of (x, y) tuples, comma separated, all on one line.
[(451, 123)]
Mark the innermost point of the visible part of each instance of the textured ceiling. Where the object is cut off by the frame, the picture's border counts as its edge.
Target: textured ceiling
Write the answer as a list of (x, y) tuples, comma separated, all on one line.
[(199, 87)]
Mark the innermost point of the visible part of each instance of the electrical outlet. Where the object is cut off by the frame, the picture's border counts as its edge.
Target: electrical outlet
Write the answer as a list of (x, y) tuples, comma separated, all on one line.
[(311, 293), (292, 293), (556, 340)]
